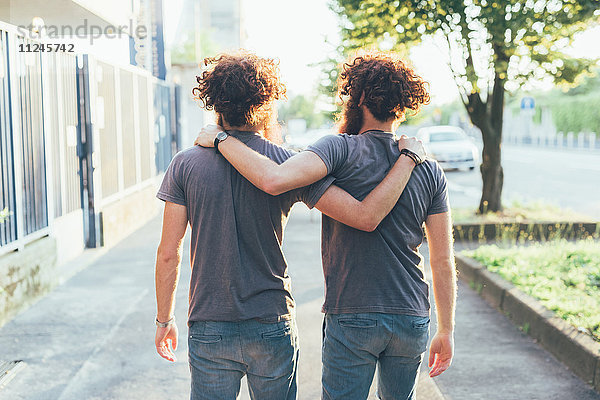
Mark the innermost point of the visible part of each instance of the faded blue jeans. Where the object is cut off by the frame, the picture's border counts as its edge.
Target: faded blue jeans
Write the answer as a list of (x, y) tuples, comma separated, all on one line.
[(221, 353), (354, 344)]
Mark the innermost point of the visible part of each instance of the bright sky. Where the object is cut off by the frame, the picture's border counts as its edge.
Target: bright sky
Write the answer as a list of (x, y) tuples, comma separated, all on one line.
[(301, 33), (304, 33)]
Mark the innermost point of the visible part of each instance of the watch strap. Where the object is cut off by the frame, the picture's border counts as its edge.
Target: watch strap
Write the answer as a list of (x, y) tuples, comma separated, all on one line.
[(219, 140)]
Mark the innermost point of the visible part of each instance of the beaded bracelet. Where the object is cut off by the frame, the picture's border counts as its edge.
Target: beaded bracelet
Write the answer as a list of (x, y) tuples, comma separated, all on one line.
[(412, 155)]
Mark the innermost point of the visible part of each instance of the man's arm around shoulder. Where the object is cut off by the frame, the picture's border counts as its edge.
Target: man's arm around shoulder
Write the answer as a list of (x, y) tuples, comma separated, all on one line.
[(367, 214)]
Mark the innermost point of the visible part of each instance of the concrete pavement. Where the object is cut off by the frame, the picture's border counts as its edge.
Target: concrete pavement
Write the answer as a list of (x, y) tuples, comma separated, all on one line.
[(92, 337)]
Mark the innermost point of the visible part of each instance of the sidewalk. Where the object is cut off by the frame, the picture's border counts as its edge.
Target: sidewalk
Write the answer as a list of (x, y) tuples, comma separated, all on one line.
[(93, 337)]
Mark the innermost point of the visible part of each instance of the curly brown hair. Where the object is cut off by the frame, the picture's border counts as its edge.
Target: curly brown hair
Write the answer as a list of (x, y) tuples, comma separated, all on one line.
[(384, 84), (240, 87)]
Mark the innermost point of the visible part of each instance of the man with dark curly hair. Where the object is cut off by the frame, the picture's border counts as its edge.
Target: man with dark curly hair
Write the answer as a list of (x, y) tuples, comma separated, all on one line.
[(241, 314), (377, 298)]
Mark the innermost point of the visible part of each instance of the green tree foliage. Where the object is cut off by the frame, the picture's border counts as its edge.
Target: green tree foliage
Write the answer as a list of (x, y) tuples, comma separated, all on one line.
[(574, 113), (576, 109), (184, 51), (493, 45), (572, 110), (303, 107)]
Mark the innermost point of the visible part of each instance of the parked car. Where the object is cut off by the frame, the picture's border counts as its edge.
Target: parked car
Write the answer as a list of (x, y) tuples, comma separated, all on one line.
[(450, 146)]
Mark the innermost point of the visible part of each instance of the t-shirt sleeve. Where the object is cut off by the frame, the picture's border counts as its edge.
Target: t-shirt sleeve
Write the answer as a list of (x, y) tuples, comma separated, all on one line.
[(440, 203), (333, 150), (172, 186), (311, 194)]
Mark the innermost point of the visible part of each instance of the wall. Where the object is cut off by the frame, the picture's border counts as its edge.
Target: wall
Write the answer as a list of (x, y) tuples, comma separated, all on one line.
[(122, 217), (33, 271)]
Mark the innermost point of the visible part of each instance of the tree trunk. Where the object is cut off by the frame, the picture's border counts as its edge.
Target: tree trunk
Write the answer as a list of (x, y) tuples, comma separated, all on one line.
[(488, 118), (492, 173)]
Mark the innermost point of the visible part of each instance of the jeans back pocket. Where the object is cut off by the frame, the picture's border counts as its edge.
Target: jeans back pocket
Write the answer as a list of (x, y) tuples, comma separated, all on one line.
[(421, 323), (277, 333), (205, 339), (357, 322)]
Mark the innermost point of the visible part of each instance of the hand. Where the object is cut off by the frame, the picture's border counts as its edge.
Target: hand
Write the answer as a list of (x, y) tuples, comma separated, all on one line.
[(441, 351), (413, 144), (166, 341), (206, 137)]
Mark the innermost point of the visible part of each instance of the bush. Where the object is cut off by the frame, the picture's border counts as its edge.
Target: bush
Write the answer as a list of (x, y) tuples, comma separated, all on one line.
[(518, 211), (563, 276), (575, 113)]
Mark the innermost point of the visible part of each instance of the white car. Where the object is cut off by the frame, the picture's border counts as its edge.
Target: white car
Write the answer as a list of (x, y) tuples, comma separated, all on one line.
[(450, 146)]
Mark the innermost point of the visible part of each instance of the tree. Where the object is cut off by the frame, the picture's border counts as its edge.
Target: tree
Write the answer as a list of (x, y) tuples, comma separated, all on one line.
[(302, 107), (185, 50), (501, 44)]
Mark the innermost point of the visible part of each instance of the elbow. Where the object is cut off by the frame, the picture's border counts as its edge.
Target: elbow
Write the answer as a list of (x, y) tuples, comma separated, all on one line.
[(167, 257), (272, 184), (369, 228), (368, 224)]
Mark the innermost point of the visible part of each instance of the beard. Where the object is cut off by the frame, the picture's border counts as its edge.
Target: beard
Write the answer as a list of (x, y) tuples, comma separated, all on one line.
[(350, 120), (272, 128)]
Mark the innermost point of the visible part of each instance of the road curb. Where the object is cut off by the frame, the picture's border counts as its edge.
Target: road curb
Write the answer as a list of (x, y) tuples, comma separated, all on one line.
[(577, 350)]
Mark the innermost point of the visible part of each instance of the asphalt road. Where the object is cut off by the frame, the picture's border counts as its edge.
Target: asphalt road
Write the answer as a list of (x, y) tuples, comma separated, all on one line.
[(566, 178)]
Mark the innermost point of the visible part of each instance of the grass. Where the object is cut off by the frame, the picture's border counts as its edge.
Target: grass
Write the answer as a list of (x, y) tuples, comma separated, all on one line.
[(518, 211), (564, 276)]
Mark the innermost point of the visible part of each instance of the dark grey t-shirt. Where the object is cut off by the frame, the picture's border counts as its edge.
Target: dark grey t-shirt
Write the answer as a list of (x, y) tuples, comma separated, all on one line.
[(238, 269), (380, 271)]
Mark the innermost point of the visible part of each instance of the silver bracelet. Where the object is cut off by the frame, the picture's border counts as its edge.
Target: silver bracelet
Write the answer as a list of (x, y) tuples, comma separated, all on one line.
[(165, 324)]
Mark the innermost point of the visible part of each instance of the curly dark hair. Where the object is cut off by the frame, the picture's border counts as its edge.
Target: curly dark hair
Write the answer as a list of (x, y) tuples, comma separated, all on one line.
[(381, 82), (238, 86)]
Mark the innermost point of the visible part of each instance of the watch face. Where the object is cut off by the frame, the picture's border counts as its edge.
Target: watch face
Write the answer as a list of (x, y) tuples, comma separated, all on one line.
[(221, 136)]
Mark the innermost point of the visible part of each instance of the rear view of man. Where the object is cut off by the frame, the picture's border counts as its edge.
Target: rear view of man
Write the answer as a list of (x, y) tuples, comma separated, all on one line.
[(376, 298), (241, 315)]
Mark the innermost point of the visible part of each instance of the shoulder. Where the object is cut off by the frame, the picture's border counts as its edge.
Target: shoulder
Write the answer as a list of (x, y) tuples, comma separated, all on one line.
[(192, 157), (433, 170), (187, 154), (192, 153), (331, 141), (269, 149), (432, 165)]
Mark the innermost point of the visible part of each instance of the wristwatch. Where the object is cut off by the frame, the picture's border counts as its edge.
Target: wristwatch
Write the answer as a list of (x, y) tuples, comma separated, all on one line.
[(220, 137)]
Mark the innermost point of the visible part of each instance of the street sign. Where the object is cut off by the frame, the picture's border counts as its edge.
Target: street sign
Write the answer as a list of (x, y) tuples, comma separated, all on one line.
[(527, 103)]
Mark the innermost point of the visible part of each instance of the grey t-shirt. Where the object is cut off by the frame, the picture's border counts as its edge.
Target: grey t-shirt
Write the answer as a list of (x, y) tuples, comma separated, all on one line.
[(238, 269), (380, 271)]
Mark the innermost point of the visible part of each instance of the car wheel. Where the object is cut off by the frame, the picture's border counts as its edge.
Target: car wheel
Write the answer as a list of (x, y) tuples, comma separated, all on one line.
[(471, 168)]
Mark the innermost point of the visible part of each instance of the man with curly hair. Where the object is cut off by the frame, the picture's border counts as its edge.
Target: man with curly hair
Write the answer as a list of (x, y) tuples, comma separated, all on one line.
[(241, 310), (377, 298)]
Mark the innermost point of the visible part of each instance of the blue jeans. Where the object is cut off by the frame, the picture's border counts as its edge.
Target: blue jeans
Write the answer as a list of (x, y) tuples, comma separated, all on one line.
[(221, 353), (354, 344)]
